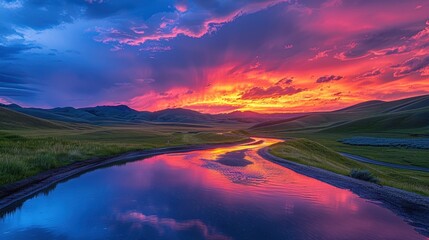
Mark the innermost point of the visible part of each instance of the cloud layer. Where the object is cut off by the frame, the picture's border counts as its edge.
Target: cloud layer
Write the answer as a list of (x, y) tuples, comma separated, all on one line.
[(213, 56)]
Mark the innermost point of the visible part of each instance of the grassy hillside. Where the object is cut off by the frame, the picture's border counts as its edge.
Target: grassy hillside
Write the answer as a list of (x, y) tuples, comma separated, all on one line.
[(405, 118), (29, 145), (373, 116), (412, 119), (10, 119), (34, 151), (311, 153), (398, 155), (375, 107)]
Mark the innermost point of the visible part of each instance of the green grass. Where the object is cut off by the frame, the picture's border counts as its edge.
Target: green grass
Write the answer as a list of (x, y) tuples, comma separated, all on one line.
[(314, 154), (13, 120), (386, 122), (311, 153), (405, 118), (410, 114), (363, 174), (24, 153), (398, 155)]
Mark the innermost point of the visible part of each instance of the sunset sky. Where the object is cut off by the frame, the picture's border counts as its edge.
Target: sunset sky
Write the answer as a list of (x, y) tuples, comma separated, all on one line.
[(213, 55)]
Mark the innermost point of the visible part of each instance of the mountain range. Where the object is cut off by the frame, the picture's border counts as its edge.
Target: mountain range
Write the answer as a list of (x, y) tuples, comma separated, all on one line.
[(370, 116), (122, 114)]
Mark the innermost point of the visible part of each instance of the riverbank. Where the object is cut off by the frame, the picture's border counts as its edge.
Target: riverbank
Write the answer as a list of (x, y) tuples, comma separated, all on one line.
[(386, 164), (412, 207), (316, 154), (26, 153), (20, 190)]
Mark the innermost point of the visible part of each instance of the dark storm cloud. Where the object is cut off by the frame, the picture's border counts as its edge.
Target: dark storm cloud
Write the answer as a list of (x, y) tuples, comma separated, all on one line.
[(191, 44), (9, 51), (270, 92), (371, 73), (198, 20), (330, 78), (410, 66), (39, 14), (174, 63), (379, 43), (15, 85), (189, 61), (284, 81), (142, 9), (13, 78)]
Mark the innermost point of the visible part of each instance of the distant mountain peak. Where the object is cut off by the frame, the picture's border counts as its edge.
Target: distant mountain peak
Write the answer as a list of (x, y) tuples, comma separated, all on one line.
[(12, 105), (120, 107), (177, 110), (109, 109)]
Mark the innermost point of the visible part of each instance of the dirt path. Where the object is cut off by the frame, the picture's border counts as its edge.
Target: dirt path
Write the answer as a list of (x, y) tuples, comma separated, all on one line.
[(392, 165)]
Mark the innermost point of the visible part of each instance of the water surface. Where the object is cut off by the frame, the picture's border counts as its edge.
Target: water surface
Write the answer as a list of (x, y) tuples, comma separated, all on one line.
[(226, 193)]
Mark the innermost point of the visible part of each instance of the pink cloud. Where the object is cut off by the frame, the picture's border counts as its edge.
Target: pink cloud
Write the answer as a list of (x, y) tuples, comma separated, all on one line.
[(330, 78), (413, 65), (423, 34), (174, 25), (270, 92), (4, 101), (321, 54), (181, 7), (156, 48), (139, 219), (372, 73)]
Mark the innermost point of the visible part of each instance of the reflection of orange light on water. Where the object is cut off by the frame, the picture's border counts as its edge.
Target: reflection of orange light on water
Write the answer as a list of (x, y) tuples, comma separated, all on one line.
[(281, 178), (276, 189), (264, 143)]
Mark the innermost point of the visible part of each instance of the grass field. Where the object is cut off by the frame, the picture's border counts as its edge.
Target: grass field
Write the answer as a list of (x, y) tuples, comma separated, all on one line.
[(398, 155), (26, 152), (401, 119), (312, 153)]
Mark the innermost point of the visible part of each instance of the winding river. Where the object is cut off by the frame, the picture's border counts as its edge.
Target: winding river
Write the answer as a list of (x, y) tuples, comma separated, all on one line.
[(224, 193)]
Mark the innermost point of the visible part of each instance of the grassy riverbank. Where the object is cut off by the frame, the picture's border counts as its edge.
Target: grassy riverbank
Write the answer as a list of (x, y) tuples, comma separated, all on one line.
[(24, 153), (397, 155), (311, 153)]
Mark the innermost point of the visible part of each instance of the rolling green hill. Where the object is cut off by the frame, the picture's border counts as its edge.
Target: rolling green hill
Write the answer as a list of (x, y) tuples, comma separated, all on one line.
[(400, 105), (406, 120), (124, 115), (373, 116), (10, 119)]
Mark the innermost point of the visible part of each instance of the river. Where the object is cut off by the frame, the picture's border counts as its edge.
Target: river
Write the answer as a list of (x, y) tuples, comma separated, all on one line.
[(223, 193)]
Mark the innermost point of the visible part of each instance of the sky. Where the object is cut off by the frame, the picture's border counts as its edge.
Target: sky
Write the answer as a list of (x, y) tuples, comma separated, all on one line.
[(213, 56)]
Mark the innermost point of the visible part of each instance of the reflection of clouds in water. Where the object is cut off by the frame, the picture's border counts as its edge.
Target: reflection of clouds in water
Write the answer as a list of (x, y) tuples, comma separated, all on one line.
[(235, 174), (138, 219)]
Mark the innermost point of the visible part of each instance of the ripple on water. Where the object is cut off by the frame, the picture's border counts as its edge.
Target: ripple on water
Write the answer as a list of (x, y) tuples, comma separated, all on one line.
[(195, 196), (235, 174)]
